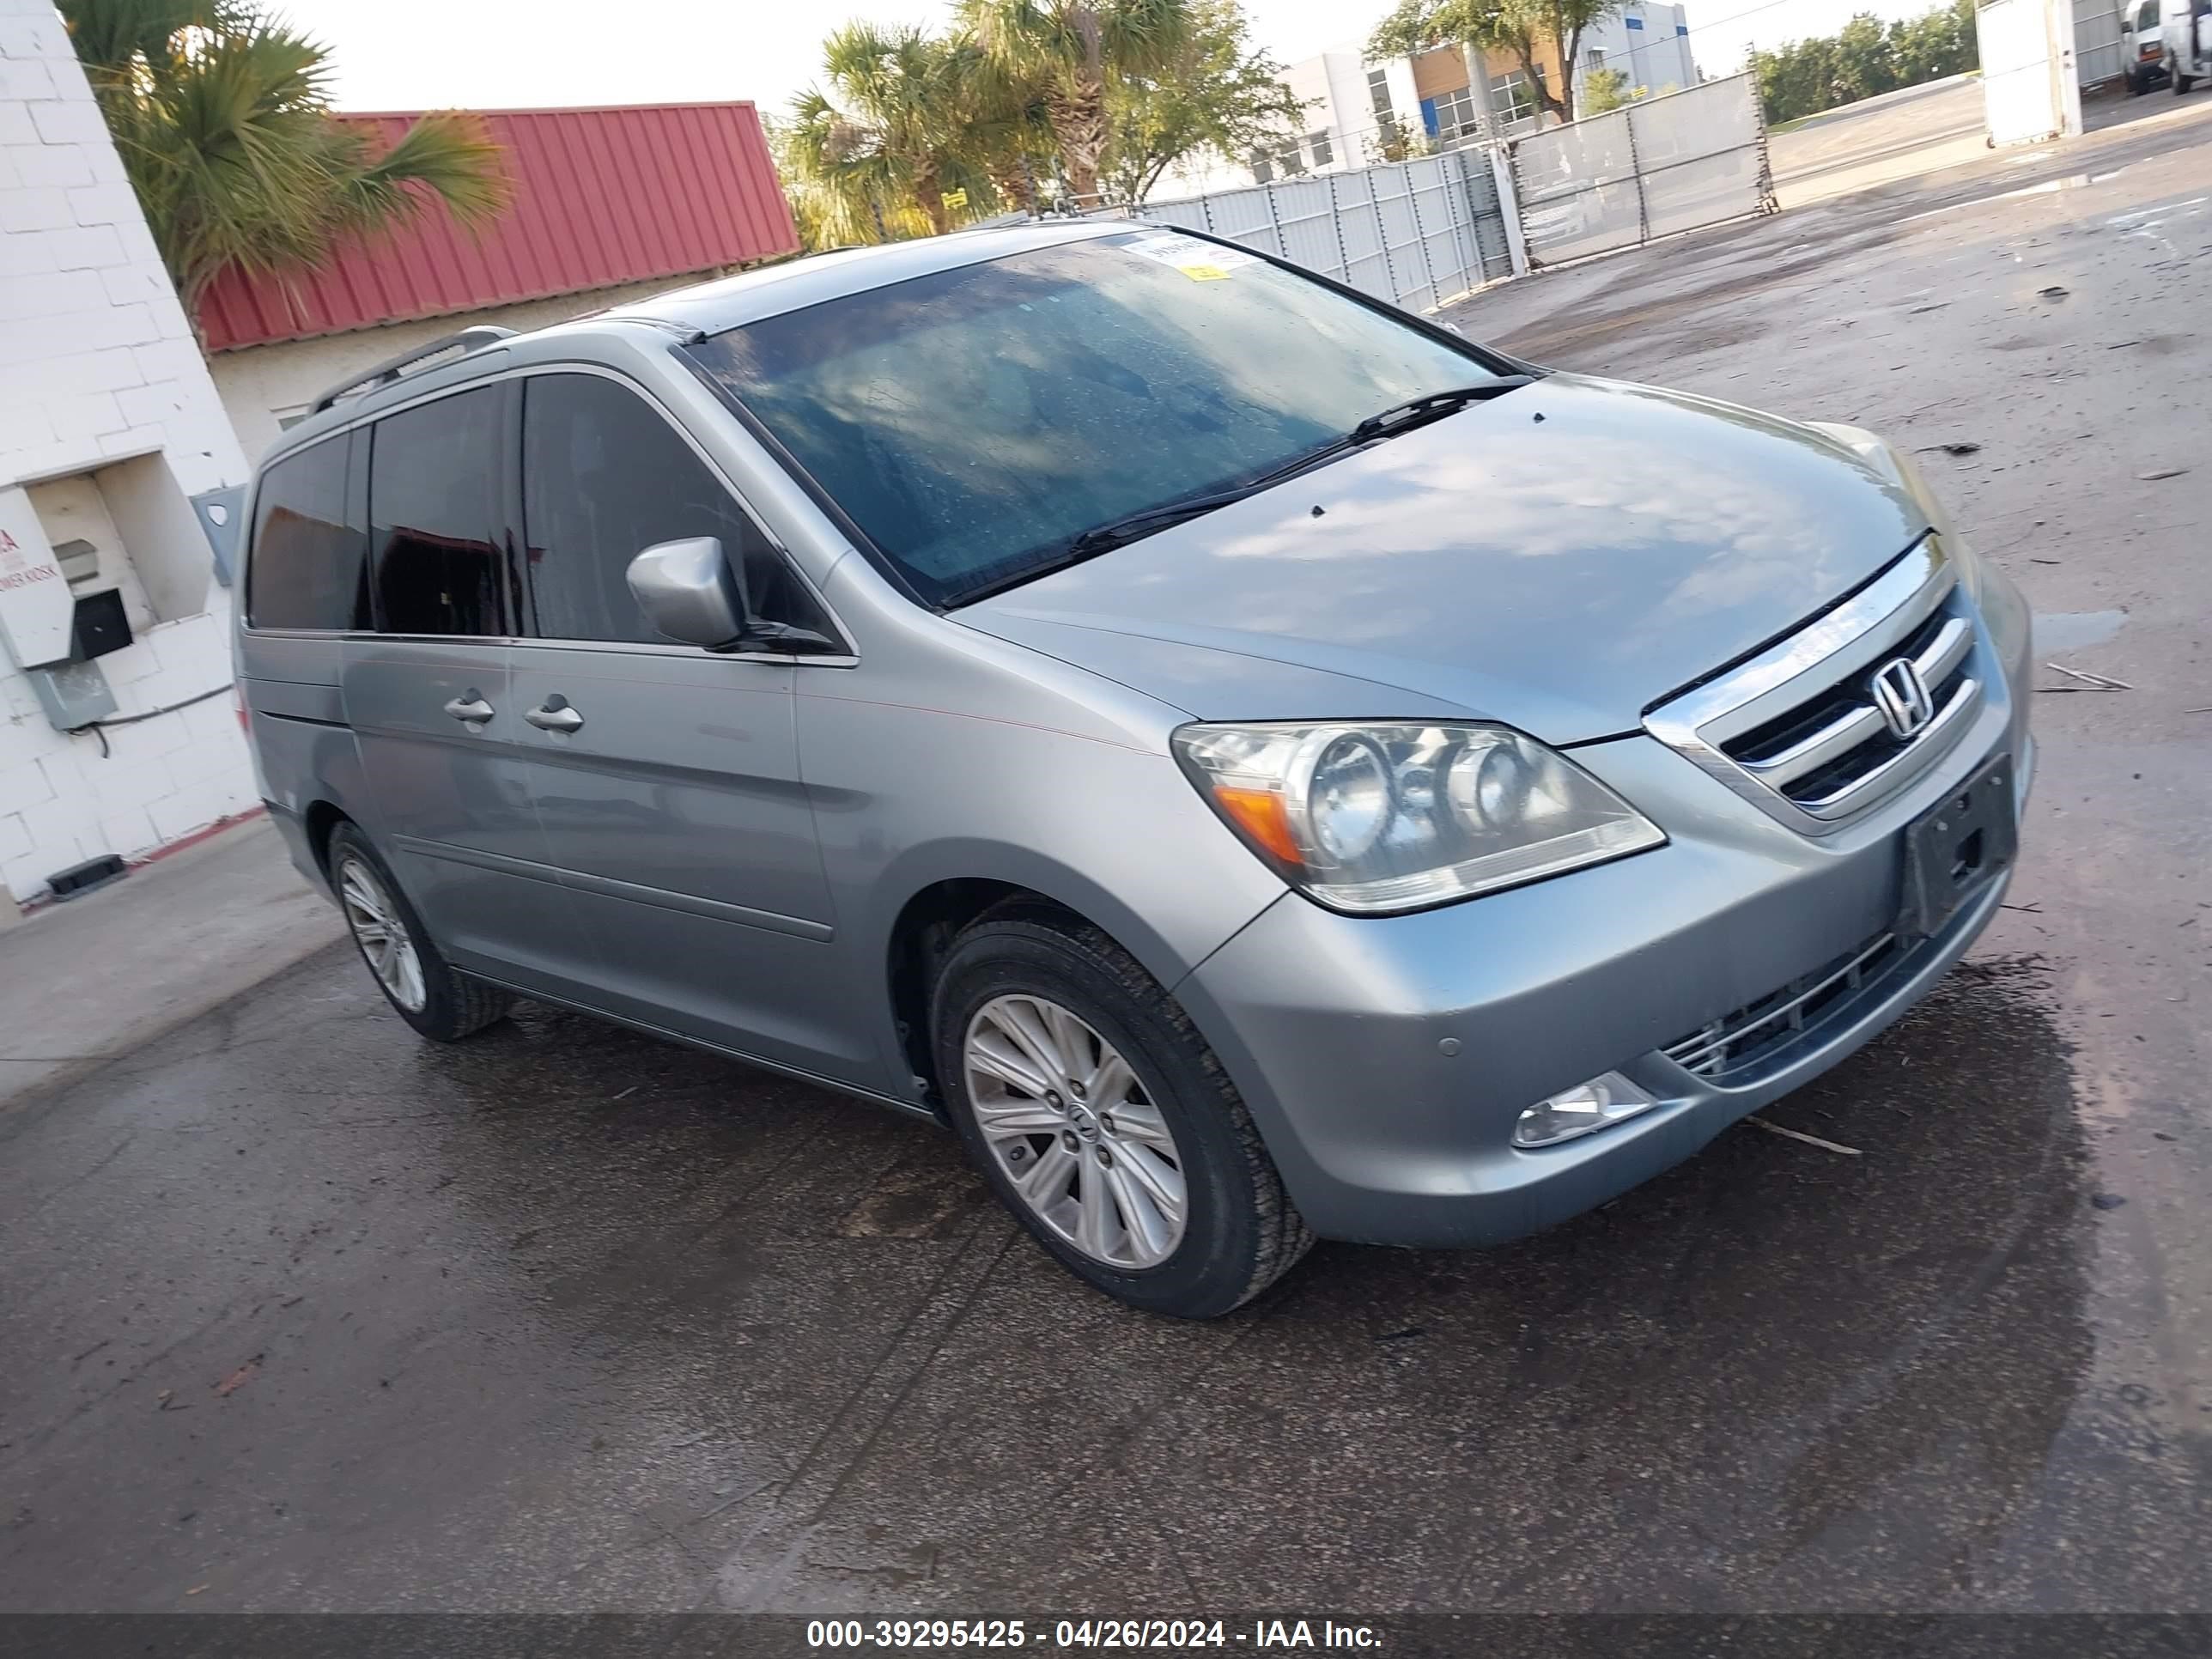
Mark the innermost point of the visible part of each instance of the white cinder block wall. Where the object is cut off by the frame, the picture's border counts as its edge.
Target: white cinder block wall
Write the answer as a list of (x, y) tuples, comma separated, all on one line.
[(98, 362)]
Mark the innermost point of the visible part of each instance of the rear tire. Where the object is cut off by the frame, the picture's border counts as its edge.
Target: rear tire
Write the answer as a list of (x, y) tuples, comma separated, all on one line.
[(1173, 1206), (424, 989)]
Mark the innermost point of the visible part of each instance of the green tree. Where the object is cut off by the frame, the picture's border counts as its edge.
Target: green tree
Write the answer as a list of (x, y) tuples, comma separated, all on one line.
[(839, 190), (1072, 51), (1522, 27), (1937, 43), (1804, 77), (905, 126), (1218, 93), (1009, 133), (1605, 89), (1864, 67), (222, 117)]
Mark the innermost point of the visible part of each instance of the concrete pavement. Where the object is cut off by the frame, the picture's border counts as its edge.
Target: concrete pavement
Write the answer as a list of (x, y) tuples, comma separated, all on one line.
[(83, 981), (1878, 140), (1918, 130), (301, 1313)]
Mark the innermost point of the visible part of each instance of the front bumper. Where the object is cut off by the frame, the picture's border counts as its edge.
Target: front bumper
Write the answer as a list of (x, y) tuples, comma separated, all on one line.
[(1335, 1028)]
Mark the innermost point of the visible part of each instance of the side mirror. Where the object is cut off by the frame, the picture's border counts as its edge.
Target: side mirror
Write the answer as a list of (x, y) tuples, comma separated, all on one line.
[(688, 591)]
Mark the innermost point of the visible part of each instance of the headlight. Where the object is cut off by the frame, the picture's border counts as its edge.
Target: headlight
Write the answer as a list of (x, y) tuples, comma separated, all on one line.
[(1374, 818)]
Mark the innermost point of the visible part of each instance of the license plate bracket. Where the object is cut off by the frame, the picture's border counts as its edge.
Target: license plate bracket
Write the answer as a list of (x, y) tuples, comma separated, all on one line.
[(1956, 845)]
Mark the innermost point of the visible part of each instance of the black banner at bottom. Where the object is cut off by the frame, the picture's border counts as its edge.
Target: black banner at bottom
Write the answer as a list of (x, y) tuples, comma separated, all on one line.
[(1413, 1636)]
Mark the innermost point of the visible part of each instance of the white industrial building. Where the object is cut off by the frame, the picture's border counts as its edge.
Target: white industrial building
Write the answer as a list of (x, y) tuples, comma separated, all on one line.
[(1360, 111)]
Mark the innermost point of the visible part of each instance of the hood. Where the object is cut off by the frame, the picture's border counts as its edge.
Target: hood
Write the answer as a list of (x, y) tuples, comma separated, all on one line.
[(1559, 559)]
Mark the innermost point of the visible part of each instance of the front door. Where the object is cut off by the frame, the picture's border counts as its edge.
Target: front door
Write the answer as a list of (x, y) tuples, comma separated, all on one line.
[(666, 777), (431, 699)]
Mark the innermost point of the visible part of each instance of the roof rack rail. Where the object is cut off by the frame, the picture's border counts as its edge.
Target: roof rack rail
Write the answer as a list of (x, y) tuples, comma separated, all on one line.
[(482, 334)]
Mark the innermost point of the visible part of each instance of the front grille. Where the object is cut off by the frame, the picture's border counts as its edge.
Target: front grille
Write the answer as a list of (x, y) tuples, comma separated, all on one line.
[(1818, 754), (1761, 1037), (1800, 730)]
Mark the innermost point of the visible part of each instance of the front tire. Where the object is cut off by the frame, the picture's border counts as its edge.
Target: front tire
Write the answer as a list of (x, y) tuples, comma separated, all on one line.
[(423, 987), (1099, 1117)]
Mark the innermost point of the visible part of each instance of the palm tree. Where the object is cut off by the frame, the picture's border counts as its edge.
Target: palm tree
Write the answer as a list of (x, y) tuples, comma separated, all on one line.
[(898, 125), (842, 189), (222, 118), (1009, 133), (1071, 49)]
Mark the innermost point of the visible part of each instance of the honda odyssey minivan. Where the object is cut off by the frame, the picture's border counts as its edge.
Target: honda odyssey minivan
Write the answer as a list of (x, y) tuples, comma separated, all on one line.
[(1255, 764)]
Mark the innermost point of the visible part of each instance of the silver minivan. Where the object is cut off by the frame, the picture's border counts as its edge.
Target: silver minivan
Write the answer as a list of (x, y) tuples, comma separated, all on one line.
[(1256, 764)]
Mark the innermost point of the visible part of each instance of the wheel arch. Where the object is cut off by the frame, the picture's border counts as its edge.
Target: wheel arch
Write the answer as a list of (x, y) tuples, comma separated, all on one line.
[(320, 821), (944, 891)]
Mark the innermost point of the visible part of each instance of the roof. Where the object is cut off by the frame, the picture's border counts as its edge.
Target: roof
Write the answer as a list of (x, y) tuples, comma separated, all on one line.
[(602, 197), (733, 301)]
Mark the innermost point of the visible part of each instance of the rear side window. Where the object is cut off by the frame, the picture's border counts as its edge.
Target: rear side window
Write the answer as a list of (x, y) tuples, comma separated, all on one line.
[(306, 569), (434, 517), (605, 476)]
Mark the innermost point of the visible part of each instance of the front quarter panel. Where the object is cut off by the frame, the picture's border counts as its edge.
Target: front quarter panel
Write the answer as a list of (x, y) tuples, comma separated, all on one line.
[(949, 755)]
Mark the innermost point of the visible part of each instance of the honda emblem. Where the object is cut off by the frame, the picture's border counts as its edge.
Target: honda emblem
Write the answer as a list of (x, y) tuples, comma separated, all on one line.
[(1901, 697)]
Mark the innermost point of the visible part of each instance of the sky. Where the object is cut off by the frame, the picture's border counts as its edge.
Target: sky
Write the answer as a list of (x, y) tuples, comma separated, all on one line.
[(520, 54)]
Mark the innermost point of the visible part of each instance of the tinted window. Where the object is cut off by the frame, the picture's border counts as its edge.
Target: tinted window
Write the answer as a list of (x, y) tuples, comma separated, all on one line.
[(434, 517), (974, 421), (605, 476), (305, 569)]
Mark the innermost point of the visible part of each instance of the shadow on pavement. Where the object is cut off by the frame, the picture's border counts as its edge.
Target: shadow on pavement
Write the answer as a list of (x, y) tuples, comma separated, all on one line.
[(1730, 1376), (565, 1318)]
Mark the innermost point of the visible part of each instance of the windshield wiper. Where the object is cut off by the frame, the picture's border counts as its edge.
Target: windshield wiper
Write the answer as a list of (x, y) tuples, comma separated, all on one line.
[(1133, 526), (1399, 417), (1101, 539)]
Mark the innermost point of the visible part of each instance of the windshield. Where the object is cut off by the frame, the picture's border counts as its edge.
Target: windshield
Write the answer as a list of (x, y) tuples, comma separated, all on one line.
[(974, 422)]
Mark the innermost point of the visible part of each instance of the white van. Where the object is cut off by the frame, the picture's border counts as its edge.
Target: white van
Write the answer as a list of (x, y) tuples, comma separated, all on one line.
[(2188, 43), (2142, 45)]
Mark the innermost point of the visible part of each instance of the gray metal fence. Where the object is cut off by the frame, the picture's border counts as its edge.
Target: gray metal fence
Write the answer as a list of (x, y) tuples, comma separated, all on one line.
[(1418, 233), (2097, 41), (1650, 169)]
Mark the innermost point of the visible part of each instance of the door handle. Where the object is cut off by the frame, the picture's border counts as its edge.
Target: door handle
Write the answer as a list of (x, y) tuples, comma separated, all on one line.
[(470, 708), (554, 714)]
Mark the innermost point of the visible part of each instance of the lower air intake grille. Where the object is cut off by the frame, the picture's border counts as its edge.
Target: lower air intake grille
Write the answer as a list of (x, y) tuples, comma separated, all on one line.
[(1761, 1036)]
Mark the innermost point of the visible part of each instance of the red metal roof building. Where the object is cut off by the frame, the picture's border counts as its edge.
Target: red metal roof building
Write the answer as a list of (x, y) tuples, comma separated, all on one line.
[(602, 197)]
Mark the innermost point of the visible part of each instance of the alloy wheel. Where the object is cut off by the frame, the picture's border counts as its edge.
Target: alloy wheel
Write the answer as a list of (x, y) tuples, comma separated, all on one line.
[(1084, 1147), (382, 935)]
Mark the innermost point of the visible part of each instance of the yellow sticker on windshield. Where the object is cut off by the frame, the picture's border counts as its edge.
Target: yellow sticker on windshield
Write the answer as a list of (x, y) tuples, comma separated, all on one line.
[(1199, 260)]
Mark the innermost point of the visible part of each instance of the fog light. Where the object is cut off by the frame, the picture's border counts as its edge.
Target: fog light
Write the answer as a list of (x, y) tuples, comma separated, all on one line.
[(1596, 1104)]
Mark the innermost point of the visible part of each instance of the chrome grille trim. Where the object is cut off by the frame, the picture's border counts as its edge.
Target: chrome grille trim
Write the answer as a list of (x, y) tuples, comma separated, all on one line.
[(1712, 1050), (1821, 665), (1938, 735), (1839, 737), (1946, 651)]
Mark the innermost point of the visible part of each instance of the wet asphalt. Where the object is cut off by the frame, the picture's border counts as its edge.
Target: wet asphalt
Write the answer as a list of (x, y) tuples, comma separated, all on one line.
[(297, 1312)]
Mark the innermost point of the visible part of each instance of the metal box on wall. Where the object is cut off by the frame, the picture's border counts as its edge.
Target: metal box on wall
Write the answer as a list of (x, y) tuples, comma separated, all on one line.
[(73, 694)]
